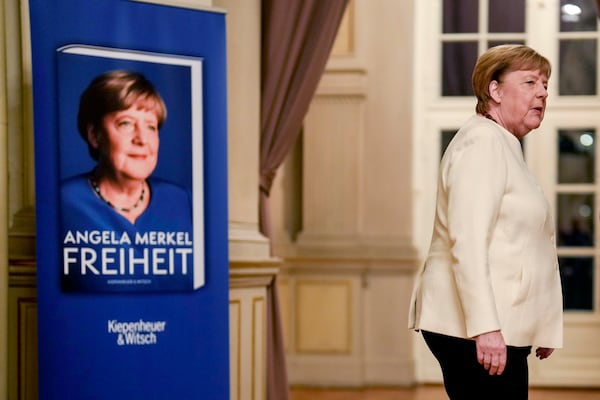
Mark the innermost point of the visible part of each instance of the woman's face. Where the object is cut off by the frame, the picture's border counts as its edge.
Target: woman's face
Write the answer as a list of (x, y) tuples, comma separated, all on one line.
[(521, 96), (128, 143)]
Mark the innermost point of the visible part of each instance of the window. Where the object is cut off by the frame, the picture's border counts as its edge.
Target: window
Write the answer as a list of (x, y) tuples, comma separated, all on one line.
[(562, 153), (465, 35)]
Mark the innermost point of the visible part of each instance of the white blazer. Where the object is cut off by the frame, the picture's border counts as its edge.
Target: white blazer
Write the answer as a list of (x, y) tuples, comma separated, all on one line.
[(492, 262)]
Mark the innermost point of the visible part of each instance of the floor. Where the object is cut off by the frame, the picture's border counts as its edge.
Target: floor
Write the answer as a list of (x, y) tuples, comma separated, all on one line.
[(427, 393)]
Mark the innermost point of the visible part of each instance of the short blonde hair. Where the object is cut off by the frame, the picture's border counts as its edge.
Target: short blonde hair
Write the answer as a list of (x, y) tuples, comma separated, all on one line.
[(499, 60)]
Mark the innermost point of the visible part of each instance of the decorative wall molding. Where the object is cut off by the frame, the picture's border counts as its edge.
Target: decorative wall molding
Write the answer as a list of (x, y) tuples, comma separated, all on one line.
[(247, 333), (247, 244), (345, 321)]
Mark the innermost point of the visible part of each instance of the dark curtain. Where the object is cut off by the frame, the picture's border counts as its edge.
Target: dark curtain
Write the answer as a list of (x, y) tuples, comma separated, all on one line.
[(297, 37)]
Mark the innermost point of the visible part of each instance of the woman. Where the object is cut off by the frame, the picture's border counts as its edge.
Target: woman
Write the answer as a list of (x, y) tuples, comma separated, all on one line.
[(490, 287), (122, 228)]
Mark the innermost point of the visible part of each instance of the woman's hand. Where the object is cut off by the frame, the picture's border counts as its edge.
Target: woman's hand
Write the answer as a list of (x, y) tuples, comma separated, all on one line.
[(543, 352), (491, 352)]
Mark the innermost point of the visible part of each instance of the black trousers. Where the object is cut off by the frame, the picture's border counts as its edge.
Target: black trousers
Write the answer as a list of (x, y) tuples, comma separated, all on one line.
[(466, 379)]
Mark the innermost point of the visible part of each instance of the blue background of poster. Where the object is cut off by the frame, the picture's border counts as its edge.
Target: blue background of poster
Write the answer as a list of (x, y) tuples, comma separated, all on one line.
[(78, 357)]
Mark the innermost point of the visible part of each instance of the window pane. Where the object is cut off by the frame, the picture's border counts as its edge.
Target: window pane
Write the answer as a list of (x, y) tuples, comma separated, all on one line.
[(577, 276), (493, 43), (506, 16), (460, 16), (575, 220), (446, 137), (576, 155), (577, 15), (458, 60), (577, 74)]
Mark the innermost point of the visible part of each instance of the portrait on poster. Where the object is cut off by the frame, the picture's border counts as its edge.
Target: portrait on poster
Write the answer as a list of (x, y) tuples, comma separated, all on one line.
[(131, 170)]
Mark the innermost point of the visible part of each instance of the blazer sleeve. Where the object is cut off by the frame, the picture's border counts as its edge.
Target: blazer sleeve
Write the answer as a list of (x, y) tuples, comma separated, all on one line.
[(475, 181)]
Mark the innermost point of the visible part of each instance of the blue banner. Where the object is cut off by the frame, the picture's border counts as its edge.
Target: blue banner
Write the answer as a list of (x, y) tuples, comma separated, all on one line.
[(131, 200)]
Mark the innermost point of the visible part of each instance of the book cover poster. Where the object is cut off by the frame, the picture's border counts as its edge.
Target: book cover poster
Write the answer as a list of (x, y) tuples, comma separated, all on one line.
[(130, 134), (106, 245)]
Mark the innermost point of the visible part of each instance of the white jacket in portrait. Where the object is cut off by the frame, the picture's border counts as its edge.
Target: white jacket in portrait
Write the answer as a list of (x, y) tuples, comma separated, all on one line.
[(492, 262)]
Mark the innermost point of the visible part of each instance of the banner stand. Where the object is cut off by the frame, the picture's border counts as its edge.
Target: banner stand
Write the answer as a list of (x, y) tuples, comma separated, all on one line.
[(130, 117)]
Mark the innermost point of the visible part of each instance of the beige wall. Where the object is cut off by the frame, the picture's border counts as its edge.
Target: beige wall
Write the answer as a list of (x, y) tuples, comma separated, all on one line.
[(251, 267)]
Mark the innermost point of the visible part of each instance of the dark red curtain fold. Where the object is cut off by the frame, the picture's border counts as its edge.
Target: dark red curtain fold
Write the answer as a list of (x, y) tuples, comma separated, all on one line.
[(297, 37)]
